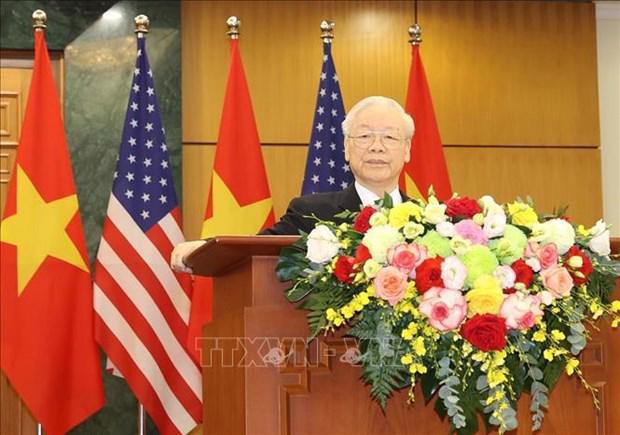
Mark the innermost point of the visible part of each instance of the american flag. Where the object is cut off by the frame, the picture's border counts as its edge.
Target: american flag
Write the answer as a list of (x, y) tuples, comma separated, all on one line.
[(142, 307), (326, 169)]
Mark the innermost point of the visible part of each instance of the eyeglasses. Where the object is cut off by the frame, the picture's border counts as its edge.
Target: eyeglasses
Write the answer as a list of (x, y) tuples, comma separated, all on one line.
[(389, 139)]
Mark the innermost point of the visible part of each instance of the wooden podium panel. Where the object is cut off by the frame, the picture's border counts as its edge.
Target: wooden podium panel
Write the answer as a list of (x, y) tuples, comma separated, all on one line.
[(262, 377)]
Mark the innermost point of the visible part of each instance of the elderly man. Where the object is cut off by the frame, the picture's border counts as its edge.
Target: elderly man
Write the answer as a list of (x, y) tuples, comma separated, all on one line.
[(377, 145)]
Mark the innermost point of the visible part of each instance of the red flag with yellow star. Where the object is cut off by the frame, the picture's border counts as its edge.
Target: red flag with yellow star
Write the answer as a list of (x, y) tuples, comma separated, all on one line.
[(48, 351), (239, 197), (427, 166)]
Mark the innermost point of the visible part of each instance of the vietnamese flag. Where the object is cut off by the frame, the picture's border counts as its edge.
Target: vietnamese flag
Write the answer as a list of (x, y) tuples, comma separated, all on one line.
[(427, 166), (239, 197), (47, 346)]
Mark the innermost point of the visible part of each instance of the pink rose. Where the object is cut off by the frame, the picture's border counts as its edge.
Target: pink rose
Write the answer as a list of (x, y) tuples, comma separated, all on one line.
[(547, 255), (391, 284), (406, 257), (521, 311), (469, 230), (557, 280), (445, 308)]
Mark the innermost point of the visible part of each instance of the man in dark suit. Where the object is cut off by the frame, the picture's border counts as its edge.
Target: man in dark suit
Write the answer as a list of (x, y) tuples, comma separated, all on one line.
[(377, 145)]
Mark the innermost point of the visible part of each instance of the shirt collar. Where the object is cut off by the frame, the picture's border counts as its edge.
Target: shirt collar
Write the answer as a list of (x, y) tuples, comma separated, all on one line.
[(368, 197)]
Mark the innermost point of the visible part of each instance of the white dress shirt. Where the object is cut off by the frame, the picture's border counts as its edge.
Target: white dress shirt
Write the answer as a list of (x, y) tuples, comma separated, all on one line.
[(369, 197)]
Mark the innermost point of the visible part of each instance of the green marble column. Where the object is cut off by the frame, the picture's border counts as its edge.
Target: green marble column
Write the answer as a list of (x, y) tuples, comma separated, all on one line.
[(99, 55)]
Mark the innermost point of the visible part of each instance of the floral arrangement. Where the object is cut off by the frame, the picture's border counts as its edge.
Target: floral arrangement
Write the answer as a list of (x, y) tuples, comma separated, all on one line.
[(479, 302)]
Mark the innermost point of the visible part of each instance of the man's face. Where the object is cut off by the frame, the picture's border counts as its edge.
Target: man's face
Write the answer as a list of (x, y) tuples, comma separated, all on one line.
[(376, 148)]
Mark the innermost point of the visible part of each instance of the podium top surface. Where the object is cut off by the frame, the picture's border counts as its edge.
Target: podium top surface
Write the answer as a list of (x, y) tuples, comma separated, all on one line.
[(222, 253)]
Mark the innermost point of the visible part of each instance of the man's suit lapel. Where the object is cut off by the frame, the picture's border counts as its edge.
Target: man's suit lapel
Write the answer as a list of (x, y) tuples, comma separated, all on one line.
[(349, 199)]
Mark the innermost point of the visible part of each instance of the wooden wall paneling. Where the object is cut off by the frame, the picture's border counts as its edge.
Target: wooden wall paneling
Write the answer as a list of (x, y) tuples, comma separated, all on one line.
[(552, 177), (501, 72)]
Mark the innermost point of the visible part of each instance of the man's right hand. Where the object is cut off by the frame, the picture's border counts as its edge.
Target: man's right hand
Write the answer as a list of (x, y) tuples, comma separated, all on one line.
[(181, 252)]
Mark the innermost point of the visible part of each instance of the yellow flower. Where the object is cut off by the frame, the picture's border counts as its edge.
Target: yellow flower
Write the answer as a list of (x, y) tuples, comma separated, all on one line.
[(548, 354), (583, 231), (418, 346), (400, 214), (615, 306), (496, 377), (571, 365), (364, 299), (331, 314), (596, 310), (615, 323), (345, 243), (522, 214), (539, 336), (485, 297), (370, 290), (347, 312), (558, 335), (417, 368), (406, 334)]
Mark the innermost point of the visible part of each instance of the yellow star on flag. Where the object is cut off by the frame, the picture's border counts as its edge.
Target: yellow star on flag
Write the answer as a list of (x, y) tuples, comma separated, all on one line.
[(38, 230), (231, 218), (411, 189)]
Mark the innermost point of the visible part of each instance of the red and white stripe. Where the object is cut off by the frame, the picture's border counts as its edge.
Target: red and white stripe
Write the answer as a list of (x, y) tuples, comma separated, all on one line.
[(142, 311)]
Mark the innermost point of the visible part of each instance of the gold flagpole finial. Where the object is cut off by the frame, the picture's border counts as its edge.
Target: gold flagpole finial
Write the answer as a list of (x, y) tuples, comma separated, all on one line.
[(142, 25), (233, 24), (415, 34), (39, 18), (327, 31)]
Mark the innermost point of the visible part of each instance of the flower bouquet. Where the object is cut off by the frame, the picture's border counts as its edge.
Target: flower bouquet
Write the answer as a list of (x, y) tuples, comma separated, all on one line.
[(478, 301)]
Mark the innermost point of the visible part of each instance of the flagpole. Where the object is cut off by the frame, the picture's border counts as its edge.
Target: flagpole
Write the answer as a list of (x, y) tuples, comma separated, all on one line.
[(142, 24), (39, 18), (415, 34)]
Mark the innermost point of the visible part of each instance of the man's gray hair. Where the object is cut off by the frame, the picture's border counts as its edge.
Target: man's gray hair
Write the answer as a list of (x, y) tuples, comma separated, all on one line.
[(377, 101)]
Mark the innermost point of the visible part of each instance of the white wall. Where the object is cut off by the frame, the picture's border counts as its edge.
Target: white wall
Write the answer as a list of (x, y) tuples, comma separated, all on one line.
[(608, 48)]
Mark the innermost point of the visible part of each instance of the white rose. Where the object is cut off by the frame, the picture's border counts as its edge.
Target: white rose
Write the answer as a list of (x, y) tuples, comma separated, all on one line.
[(446, 229), (599, 227), (506, 276), (322, 245), (494, 225), (381, 238), (534, 263), (434, 212), (600, 244), (489, 206), (556, 231)]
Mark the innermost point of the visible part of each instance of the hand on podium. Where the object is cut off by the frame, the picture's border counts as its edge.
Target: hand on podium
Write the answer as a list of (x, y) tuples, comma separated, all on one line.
[(181, 252)]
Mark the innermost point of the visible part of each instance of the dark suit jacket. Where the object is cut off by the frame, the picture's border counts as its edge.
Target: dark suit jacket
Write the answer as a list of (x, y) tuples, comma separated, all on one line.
[(322, 205)]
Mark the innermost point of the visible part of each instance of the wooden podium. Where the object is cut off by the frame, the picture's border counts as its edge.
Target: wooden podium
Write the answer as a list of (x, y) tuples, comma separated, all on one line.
[(263, 377)]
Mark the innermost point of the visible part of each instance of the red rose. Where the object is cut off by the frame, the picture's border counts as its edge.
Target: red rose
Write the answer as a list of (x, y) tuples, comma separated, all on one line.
[(462, 207), (362, 254), (344, 268), (523, 271), (580, 274), (485, 331), (361, 224), (428, 274)]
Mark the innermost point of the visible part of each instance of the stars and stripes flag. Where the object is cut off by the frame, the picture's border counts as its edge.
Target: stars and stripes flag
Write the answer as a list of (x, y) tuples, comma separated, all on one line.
[(326, 168), (142, 307)]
